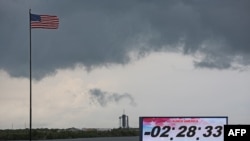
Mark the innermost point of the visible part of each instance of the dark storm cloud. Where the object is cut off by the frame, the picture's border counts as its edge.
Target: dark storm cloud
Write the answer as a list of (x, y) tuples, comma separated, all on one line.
[(103, 98), (96, 33)]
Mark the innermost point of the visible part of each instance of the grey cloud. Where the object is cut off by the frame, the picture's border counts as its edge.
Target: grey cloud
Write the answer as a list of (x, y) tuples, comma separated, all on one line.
[(103, 98), (99, 33)]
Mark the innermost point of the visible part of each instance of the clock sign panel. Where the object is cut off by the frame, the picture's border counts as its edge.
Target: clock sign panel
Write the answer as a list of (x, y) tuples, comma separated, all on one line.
[(182, 128)]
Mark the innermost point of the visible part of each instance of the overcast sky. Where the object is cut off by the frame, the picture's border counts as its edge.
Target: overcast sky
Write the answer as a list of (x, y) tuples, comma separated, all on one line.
[(149, 58)]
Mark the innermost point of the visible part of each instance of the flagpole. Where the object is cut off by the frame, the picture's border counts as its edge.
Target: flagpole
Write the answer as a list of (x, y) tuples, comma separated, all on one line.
[(30, 135), (52, 23)]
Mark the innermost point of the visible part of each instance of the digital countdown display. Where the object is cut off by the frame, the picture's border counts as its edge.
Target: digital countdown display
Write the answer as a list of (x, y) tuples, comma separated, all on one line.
[(182, 128)]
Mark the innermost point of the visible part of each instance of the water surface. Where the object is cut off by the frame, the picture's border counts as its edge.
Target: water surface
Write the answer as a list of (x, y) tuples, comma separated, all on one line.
[(134, 138)]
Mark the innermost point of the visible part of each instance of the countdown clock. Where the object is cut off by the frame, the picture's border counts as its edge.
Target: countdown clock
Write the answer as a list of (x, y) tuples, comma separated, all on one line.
[(182, 128)]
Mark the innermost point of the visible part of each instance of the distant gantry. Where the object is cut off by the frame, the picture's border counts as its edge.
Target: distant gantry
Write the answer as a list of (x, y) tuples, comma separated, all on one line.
[(123, 121)]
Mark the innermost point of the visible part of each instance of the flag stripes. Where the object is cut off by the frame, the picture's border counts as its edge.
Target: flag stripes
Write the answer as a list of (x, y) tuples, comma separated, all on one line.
[(44, 21)]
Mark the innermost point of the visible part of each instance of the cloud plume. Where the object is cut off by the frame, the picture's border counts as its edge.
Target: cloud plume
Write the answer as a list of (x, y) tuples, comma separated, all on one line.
[(104, 98)]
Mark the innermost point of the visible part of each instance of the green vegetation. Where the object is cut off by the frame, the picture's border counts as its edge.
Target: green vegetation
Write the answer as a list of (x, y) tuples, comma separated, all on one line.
[(44, 133)]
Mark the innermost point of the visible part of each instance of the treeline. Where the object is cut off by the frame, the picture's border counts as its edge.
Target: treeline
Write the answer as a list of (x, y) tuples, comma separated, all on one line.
[(23, 134)]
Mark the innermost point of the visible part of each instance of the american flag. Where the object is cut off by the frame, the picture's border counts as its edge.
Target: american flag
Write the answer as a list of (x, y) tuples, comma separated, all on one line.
[(44, 21)]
